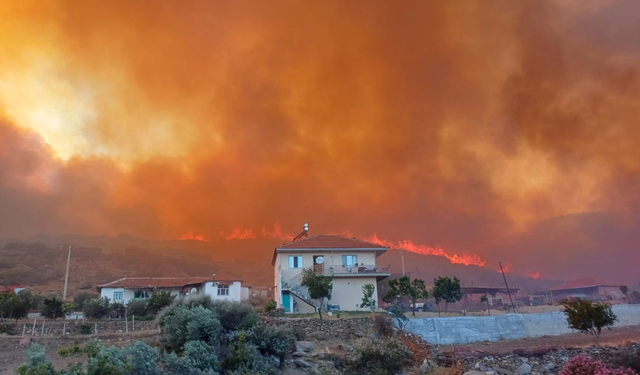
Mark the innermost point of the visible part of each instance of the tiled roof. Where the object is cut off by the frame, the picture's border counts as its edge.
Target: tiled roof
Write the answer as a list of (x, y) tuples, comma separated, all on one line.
[(166, 282), (584, 283), (324, 241)]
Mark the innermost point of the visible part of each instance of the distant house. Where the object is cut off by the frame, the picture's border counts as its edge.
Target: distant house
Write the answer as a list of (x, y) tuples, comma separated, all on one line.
[(590, 287), (12, 288), (219, 286), (350, 261)]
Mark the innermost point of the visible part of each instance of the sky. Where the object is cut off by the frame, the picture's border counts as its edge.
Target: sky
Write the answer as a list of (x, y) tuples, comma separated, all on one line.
[(477, 130)]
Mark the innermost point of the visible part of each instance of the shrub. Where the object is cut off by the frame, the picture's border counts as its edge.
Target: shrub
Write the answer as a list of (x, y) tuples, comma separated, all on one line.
[(7, 329), (234, 315), (15, 306), (588, 317), (199, 358), (184, 324), (379, 358), (270, 306), (92, 348), (37, 362), (627, 358), (72, 350), (51, 306), (117, 310), (141, 359), (85, 329), (398, 314), (137, 307), (272, 341), (107, 361), (83, 296), (384, 325), (244, 358), (581, 365), (159, 300), (96, 308)]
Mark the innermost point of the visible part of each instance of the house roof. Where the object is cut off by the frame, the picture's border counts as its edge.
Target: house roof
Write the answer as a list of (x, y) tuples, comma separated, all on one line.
[(587, 282), (166, 282), (329, 242)]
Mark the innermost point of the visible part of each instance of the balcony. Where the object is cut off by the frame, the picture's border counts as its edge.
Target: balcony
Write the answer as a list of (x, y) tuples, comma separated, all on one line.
[(362, 269)]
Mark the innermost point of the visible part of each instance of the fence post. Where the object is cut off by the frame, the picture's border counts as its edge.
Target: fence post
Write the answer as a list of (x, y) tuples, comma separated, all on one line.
[(126, 324), (133, 323), (33, 330), (96, 328), (24, 329), (64, 329), (42, 332)]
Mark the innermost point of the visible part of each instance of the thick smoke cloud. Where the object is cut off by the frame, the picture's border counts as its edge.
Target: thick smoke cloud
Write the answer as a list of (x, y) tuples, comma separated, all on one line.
[(463, 126)]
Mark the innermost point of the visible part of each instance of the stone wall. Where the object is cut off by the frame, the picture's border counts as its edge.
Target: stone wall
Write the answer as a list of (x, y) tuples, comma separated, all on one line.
[(72, 327), (312, 328), (465, 329)]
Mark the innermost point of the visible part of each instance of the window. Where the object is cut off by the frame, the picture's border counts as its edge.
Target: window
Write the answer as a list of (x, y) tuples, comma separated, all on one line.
[(295, 262), (140, 294), (349, 260), (117, 296), (223, 290)]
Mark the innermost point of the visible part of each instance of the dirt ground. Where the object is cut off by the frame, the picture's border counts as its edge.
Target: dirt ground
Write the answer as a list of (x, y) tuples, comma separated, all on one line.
[(615, 337)]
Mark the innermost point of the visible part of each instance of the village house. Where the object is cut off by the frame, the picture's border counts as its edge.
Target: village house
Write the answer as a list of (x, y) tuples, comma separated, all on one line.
[(351, 263), (219, 286), (590, 288)]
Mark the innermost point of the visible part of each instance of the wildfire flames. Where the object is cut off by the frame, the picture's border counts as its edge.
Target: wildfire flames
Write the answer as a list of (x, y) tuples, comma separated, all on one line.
[(534, 275), (240, 234), (191, 236), (466, 259)]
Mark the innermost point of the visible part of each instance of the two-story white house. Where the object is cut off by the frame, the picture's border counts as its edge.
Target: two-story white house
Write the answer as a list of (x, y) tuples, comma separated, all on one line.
[(351, 263), (218, 286)]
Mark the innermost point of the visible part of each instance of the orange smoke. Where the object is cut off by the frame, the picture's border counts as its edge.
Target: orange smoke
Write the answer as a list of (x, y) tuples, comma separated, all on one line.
[(191, 236), (506, 267), (276, 233), (466, 259), (534, 275)]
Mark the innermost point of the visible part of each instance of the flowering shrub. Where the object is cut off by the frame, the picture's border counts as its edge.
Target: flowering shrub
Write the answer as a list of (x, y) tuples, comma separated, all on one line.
[(582, 365)]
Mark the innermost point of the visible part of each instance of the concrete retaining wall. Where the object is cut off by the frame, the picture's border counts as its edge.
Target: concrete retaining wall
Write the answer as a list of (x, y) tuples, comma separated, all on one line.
[(465, 329)]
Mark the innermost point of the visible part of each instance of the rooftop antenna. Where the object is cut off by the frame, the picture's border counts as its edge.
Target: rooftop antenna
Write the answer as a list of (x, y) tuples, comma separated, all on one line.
[(303, 233)]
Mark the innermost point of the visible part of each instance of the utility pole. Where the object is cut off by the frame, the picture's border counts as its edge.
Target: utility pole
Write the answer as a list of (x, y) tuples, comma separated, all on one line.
[(507, 285), (402, 257), (66, 278)]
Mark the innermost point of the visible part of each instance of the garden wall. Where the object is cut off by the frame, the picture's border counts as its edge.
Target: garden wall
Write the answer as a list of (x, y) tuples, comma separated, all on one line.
[(465, 329), (72, 327)]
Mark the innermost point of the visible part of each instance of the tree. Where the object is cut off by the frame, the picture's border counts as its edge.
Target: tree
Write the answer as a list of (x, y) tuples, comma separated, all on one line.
[(484, 298), (447, 290), (589, 317), (83, 296), (270, 306), (159, 300), (96, 308), (624, 289), (51, 306), (403, 287), (137, 307), (15, 306), (319, 286), (367, 297)]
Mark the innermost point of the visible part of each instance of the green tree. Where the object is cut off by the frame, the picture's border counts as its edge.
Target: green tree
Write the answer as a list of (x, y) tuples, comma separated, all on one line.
[(367, 297), (484, 298), (51, 306), (159, 300), (96, 308), (404, 287), (447, 290), (15, 306), (319, 286), (137, 307), (82, 296), (270, 306), (589, 317)]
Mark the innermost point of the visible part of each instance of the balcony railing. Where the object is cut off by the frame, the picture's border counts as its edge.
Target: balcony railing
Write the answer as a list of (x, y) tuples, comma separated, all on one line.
[(326, 269)]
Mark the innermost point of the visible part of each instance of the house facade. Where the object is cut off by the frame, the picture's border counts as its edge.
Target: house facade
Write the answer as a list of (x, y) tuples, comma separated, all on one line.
[(351, 262), (590, 287), (219, 286)]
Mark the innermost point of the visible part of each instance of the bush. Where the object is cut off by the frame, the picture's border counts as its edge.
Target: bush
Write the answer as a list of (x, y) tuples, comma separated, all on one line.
[(96, 308), (235, 315), (588, 317), (83, 296), (581, 365), (398, 314), (159, 300), (199, 358), (141, 359), (85, 329), (51, 306), (244, 358), (117, 310), (15, 306), (384, 325), (184, 324), (107, 361), (7, 329), (627, 358), (270, 306), (379, 358), (272, 341), (37, 362), (137, 307), (72, 350)]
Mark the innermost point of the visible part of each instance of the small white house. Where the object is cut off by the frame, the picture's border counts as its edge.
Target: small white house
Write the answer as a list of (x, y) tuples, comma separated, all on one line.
[(220, 286)]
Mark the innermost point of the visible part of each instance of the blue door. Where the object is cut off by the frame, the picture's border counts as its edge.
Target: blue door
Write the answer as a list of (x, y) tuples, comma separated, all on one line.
[(286, 301)]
